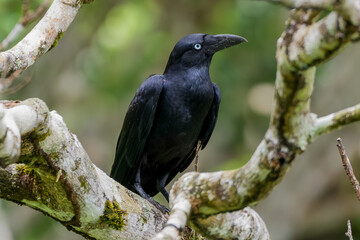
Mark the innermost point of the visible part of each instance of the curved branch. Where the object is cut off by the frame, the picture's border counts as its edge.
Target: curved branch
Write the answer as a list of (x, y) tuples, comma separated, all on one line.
[(306, 43), (54, 175), (307, 4), (242, 224), (176, 221), (40, 39), (336, 120), (23, 115), (349, 9), (25, 19)]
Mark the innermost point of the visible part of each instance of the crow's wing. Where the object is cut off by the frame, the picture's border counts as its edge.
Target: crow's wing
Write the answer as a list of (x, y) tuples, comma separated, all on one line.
[(211, 118), (206, 130), (136, 128)]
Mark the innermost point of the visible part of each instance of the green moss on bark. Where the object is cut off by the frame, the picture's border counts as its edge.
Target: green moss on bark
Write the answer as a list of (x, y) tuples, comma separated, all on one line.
[(46, 193), (58, 37), (113, 215), (84, 183)]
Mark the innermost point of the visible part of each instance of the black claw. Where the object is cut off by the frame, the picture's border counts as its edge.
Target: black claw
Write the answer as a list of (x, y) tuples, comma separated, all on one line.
[(162, 208)]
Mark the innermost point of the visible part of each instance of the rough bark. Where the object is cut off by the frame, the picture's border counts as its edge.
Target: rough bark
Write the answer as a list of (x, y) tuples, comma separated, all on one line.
[(48, 169), (45, 167), (305, 43)]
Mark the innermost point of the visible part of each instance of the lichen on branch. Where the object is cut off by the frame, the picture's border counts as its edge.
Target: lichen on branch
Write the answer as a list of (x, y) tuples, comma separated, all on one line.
[(45, 167), (307, 41), (48, 169)]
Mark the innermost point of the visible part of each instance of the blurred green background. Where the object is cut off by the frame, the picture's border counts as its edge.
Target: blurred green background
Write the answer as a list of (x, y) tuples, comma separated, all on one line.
[(112, 46)]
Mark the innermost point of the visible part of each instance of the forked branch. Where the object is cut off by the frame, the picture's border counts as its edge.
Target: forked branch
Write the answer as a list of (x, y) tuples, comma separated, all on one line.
[(54, 174), (306, 43)]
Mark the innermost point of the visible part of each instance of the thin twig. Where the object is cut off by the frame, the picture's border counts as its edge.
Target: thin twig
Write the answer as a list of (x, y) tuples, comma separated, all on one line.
[(26, 18), (5, 82), (349, 233), (348, 168), (336, 120), (13, 89), (25, 7), (58, 175), (197, 156), (29, 16)]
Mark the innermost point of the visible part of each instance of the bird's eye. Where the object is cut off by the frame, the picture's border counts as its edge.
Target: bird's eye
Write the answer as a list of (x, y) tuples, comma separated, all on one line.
[(197, 46)]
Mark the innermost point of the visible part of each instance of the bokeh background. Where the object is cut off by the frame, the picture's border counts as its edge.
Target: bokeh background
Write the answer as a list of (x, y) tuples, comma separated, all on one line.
[(112, 46)]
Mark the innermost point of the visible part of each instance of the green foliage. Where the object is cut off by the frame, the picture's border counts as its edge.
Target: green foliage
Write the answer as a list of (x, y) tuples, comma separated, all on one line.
[(45, 191), (10, 12)]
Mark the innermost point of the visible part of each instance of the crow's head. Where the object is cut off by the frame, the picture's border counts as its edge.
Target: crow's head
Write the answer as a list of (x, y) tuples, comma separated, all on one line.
[(197, 49)]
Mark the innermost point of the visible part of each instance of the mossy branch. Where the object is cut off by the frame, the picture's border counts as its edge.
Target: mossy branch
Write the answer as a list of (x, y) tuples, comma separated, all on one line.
[(305, 43), (46, 168), (348, 9), (336, 120)]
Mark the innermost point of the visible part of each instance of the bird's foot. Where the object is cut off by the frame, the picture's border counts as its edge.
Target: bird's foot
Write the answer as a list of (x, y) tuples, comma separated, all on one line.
[(138, 188), (162, 208)]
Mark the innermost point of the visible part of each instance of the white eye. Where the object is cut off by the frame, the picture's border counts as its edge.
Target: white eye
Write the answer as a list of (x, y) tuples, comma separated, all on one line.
[(197, 46)]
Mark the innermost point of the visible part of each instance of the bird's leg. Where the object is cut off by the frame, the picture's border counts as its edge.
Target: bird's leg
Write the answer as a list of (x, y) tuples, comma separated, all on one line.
[(160, 184), (197, 155), (137, 186)]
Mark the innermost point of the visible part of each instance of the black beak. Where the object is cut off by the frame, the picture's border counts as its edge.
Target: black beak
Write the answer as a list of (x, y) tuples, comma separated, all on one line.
[(219, 42)]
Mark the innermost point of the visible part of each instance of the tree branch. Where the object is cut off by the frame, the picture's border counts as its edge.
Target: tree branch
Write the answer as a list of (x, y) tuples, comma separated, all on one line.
[(47, 169), (307, 4), (52, 173), (29, 17), (306, 43), (25, 20), (348, 168), (349, 9), (42, 38), (336, 120), (242, 224), (349, 233)]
